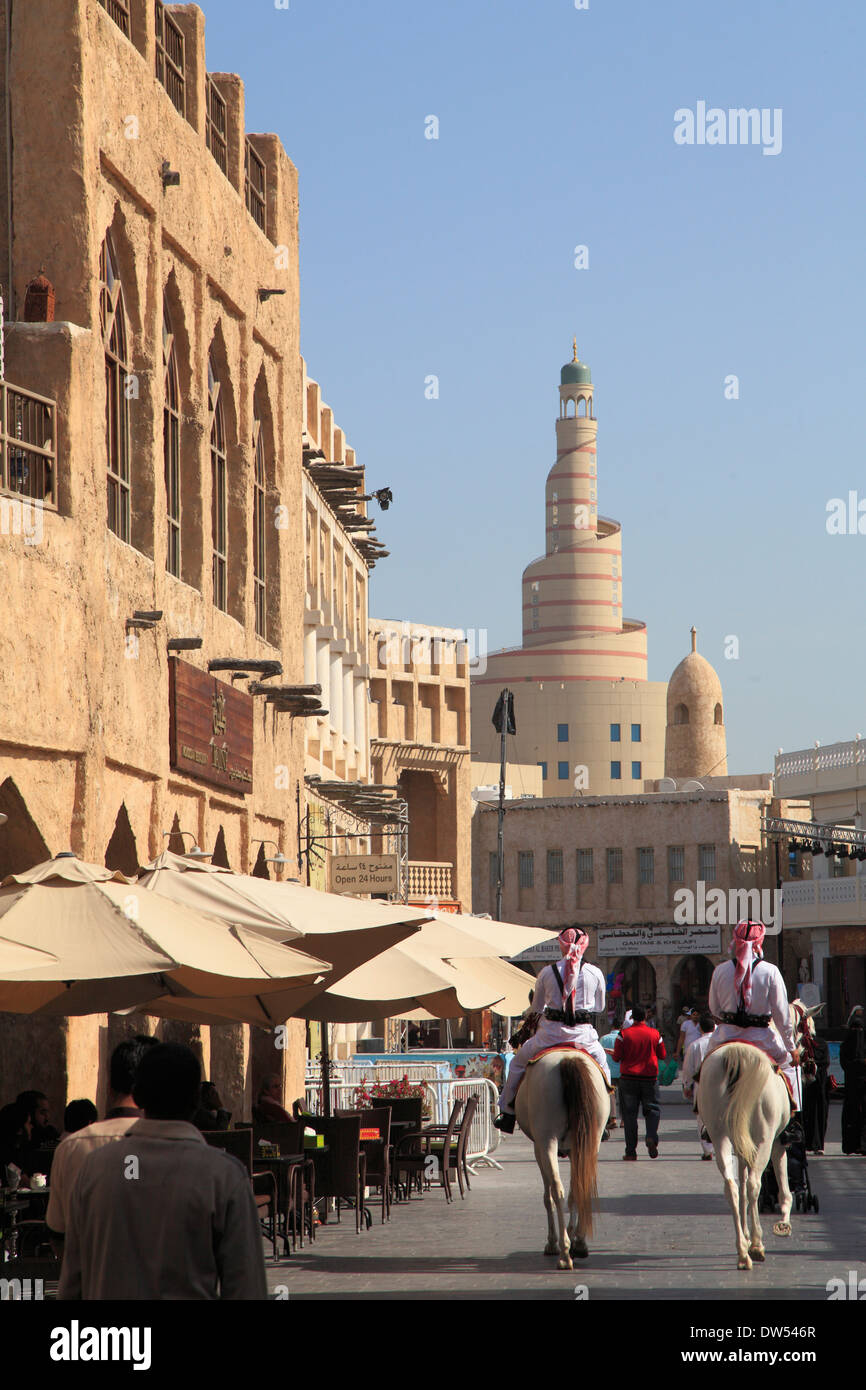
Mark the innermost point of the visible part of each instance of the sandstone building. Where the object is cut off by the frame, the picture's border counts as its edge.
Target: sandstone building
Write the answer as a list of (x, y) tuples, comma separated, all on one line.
[(156, 447)]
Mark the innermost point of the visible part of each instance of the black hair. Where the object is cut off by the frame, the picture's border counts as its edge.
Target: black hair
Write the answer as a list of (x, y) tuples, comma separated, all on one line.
[(125, 1061), (78, 1115), (167, 1082), (707, 1023), (638, 1013), (28, 1101)]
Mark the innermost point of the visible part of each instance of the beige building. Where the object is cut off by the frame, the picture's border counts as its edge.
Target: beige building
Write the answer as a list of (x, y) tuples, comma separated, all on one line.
[(419, 731), (153, 449), (824, 895), (657, 879)]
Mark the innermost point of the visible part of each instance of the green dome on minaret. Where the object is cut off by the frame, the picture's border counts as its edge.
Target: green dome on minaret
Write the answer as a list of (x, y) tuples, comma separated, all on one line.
[(575, 373)]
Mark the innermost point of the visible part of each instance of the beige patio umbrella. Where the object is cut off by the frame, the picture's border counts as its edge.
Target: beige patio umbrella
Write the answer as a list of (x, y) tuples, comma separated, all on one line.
[(440, 969), (346, 932), (111, 946)]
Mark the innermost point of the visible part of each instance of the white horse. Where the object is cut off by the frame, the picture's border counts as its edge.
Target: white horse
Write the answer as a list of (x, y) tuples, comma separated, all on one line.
[(743, 1102), (563, 1106)]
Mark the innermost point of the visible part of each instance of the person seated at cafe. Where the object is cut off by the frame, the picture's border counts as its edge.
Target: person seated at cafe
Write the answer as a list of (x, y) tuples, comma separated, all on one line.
[(14, 1137), (268, 1110), (210, 1114), (121, 1116), (36, 1105), (78, 1114)]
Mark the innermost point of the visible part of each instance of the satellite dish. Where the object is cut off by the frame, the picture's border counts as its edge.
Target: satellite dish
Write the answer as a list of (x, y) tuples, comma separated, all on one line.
[(692, 786), (667, 784)]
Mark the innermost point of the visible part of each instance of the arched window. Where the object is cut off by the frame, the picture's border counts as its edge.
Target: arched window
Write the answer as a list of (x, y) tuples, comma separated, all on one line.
[(569, 409), (681, 714), (581, 407), (718, 715), (112, 316), (260, 554), (219, 496), (171, 442)]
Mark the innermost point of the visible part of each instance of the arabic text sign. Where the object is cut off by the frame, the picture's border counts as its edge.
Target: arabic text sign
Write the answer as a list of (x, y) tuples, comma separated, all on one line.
[(659, 941), (365, 873)]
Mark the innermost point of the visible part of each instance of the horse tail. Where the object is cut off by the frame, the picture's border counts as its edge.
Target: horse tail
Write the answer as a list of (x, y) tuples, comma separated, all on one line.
[(746, 1073), (578, 1093)]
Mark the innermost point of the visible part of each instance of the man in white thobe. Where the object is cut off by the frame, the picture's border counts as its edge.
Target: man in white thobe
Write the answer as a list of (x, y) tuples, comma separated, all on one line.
[(745, 995), (571, 990), (695, 1054)]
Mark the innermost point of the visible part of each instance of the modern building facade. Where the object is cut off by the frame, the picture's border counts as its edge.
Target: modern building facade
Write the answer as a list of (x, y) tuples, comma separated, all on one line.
[(824, 895)]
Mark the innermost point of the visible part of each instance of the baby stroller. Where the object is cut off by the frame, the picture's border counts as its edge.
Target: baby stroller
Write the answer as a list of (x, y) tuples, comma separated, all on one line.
[(798, 1181)]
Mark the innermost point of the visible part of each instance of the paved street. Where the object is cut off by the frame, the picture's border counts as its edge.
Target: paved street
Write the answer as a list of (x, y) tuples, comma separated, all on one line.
[(663, 1232)]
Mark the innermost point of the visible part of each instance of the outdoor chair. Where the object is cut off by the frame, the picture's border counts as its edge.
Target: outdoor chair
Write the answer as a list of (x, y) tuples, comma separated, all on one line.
[(298, 1180), (463, 1142), (414, 1152), (343, 1175), (377, 1151), (239, 1143)]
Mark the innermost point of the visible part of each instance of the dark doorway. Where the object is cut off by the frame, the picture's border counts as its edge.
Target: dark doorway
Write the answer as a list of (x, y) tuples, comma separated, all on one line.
[(121, 853)]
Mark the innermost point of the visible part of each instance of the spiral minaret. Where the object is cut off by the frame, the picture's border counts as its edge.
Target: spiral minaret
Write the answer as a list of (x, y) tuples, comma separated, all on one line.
[(580, 676)]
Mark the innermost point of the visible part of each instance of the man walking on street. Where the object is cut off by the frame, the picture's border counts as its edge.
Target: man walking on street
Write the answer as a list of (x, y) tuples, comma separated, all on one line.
[(638, 1050)]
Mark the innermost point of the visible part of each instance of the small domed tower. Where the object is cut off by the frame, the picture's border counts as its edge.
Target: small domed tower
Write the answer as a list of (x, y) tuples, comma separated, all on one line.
[(695, 744)]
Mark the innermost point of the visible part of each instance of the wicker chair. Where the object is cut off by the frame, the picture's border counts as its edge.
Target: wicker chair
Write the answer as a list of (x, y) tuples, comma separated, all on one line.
[(378, 1151), (239, 1143), (297, 1180), (343, 1175), (414, 1152)]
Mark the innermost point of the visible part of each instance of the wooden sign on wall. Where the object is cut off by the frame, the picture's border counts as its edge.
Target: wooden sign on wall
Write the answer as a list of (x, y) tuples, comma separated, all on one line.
[(210, 728)]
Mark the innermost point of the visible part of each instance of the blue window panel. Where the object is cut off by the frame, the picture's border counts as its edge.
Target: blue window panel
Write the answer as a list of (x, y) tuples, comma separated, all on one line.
[(615, 771), (563, 772), (635, 770), (635, 733), (543, 767), (615, 733), (562, 733)]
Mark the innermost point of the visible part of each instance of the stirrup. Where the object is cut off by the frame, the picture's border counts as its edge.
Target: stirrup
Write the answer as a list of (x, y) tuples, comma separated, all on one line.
[(793, 1131), (505, 1121)]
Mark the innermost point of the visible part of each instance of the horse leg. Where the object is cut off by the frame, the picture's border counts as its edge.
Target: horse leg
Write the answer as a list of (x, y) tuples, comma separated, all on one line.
[(554, 1196), (726, 1163), (780, 1165), (753, 1182)]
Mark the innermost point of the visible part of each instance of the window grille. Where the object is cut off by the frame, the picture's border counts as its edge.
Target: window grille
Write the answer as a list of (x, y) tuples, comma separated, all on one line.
[(113, 322), (614, 866), (584, 866), (216, 126), (170, 67), (219, 499), (526, 869), (676, 864), (119, 12), (646, 865), (259, 534), (256, 187), (171, 444)]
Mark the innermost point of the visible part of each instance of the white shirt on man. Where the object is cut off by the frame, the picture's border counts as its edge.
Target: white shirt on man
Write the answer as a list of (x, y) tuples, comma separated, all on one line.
[(769, 996), (589, 993)]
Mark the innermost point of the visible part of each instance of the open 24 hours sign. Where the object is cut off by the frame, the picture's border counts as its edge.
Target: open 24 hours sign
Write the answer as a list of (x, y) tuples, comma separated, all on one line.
[(364, 873)]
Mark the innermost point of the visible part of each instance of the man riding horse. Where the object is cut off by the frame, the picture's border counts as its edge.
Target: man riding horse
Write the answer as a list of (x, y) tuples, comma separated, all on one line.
[(566, 1001), (746, 994)]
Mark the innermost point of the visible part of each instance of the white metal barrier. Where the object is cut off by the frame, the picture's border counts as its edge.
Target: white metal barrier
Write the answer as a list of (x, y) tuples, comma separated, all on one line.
[(483, 1137), (354, 1072)]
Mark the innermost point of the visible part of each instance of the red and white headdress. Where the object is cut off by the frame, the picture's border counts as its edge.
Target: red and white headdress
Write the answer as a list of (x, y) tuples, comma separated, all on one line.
[(577, 942), (747, 947)]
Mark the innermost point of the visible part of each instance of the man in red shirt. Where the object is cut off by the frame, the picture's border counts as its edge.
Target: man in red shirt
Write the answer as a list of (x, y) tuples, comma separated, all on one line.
[(638, 1050)]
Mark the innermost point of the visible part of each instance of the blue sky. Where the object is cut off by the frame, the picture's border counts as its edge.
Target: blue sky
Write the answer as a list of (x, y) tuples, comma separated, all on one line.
[(454, 257)]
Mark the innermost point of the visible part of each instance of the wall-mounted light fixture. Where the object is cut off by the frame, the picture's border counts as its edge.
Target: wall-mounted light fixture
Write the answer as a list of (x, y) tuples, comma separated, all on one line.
[(170, 177), (195, 852), (265, 295)]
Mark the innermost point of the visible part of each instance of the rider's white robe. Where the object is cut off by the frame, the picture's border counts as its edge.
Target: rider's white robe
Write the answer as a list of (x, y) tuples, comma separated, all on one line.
[(589, 996), (769, 996)]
